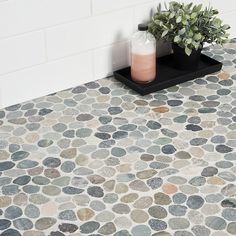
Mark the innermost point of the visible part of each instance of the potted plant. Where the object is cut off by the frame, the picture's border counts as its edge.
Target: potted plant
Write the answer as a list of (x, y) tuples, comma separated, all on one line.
[(187, 27)]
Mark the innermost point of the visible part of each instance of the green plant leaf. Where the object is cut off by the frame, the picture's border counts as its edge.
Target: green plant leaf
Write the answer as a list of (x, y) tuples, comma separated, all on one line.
[(164, 33), (178, 20), (177, 39), (182, 31), (188, 51)]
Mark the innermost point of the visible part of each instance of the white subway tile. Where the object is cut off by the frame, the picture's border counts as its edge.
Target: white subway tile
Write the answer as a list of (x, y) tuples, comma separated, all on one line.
[(22, 51), (224, 6), (111, 58), (229, 18), (143, 13), (101, 6), (89, 33), (45, 79), (26, 15)]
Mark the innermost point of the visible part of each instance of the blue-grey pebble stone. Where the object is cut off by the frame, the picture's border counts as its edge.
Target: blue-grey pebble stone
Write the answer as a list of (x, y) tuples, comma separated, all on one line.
[(216, 223), (67, 215), (67, 166), (177, 210), (118, 152), (200, 230), (229, 214), (11, 232), (4, 224), (44, 111), (31, 189), (19, 155), (155, 183), (157, 225), (95, 191), (32, 211), (197, 181), (22, 180), (23, 224), (195, 202), (6, 165), (13, 212), (153, 125), (71, 190), (26, 164), (89, 227), (179, 198), (141, 230), (11, 189), (5, 181), (168, 149), (223, 149)]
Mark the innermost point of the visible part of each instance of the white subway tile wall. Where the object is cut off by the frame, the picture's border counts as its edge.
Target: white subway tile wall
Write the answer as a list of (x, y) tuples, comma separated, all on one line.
[(50, 45)]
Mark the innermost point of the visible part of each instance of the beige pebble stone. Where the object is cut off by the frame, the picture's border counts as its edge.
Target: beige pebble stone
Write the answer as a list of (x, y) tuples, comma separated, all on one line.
[(187, 135), (130, 158), (85, 214), (210, 209), (161, 109), (69, 153), (49, 208), (33, 233), (105, 216), (208, 124), (143, 202), (16, 140), (32, 137), (81, 200), (209, 189), (107, 172), (123, 222), (125, 142), (213, 157), (121, 188), (49, 122), (220, 233), (196, 151), (109, 185), (231, 135), (124, 168), (4, 201), (162, 233), (139, 216), (75, 234), (67, 206), (82, 160), (224, 75), (63, 199), (146, 174), (188, 189), (20, 199), (169, 188), (4, 155), (180, 164), (180, 144), (131, 197), (191, 170), (195, 217), (66, 119), (96, 164), (14, 172), (103, 98), (215, 180), (205, 134)]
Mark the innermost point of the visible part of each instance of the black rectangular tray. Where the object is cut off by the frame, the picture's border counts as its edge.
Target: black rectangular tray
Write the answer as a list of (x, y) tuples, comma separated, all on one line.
[(168, 75)]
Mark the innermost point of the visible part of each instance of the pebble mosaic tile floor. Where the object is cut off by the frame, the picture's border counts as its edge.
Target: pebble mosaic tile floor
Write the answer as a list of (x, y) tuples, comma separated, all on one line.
[(99, 159)]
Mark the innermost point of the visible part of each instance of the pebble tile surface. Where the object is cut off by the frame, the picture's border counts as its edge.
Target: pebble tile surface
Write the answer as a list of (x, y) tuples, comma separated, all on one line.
[(99, 159)]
